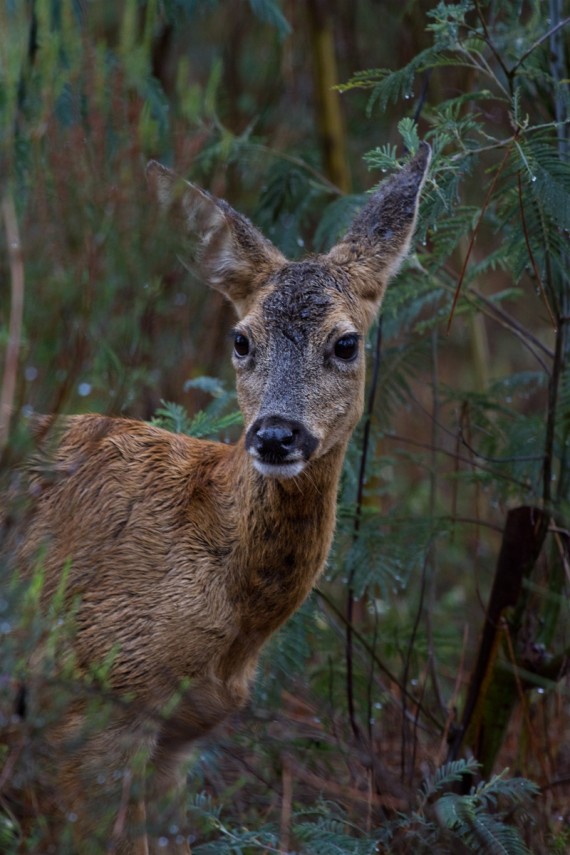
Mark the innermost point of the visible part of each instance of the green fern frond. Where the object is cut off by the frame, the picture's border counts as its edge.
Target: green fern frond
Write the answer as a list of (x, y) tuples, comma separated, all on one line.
[(488, 836), (213, 421), (513, 790), (447, 774)]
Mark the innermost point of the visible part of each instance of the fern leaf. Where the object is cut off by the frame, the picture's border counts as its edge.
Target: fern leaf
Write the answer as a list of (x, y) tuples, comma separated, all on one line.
[(447, 774)]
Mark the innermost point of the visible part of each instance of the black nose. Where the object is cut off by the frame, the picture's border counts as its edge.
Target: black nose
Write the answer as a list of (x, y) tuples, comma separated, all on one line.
[(275, 439)]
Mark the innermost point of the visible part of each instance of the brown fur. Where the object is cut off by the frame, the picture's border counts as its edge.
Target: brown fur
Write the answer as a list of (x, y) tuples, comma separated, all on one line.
[(182, 556)]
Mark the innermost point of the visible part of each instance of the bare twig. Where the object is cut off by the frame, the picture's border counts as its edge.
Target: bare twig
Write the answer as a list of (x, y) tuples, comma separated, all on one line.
[(532, 258), (121, 820), (489, 42), (452, 706), (378, 662), (16, 313), (537, 43), (407, 661), (523, 698), (553, 390), (426, 445), (515, 326), (356, 532), (432, 554), (475, 230), (286, 805)]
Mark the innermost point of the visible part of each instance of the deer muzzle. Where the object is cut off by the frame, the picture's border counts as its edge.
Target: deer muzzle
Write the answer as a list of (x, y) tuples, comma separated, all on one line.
[(280, 447)]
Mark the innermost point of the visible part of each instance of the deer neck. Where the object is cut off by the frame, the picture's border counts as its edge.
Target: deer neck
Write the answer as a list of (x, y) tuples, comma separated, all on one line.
[(284, 532)]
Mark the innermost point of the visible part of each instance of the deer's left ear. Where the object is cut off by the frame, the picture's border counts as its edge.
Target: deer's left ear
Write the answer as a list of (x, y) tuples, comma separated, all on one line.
[(380, 236), (232, 255)]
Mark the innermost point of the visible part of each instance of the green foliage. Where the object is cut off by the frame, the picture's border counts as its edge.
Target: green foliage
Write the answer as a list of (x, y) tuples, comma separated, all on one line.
[(481, 821), (212, 421), (471, 415), (442, 821)]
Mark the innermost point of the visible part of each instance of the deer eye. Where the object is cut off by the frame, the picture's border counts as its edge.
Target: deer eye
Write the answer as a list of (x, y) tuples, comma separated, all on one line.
[(346, 347), (241, 344)]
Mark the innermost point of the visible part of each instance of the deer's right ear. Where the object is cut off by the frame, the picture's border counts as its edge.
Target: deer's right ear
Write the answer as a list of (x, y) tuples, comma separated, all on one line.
[(226, 248)]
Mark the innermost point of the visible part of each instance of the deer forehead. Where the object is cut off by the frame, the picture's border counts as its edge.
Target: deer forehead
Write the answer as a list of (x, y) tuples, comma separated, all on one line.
[(306, 301)]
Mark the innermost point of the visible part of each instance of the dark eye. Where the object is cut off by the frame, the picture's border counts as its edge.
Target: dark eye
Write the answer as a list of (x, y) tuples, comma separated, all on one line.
[(346, 347), (241, 345)]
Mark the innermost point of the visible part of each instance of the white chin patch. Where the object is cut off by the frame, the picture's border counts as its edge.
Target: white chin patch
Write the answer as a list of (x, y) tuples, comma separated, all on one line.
[(279, 470)]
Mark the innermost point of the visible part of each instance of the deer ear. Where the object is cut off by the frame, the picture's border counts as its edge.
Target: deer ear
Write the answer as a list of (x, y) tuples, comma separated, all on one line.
[(223, 245), (381, 233)]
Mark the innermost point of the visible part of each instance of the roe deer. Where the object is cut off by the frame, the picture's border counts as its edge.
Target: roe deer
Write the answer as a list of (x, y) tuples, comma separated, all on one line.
[(180, 557)]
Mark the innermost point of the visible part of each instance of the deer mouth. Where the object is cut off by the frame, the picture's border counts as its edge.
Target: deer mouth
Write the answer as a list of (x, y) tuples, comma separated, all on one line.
[(283, 469)]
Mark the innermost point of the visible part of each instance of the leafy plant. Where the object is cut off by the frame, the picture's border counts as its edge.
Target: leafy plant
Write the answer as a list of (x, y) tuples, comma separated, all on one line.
[(440, 628)]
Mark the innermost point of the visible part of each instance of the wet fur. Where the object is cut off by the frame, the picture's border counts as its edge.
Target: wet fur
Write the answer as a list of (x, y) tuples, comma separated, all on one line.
[(181, 558)]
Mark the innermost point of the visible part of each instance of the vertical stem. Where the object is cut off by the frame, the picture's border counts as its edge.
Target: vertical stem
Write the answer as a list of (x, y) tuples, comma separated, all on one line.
[(356, 530), (556, 43), (432, 552), (331, 123), (559, 71), (8, 390)]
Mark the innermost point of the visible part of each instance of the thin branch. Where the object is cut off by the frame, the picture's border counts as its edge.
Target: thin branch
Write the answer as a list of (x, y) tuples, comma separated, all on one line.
[(407, 661), (371, 674), (326, 183), (122, 812), (482, 67), (379, 664), (524, 458), (432, 553), (423, 94), (16, 314), (286, 804), (553, 390), (399, 438), (489, 41), (356, 530), (515, 326), (523, 699), (498, 314), (537, 43), (396, 520), (474, 233), (532, 258)]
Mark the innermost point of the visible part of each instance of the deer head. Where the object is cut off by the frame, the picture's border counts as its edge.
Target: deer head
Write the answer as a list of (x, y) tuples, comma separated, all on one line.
[(299, 339)]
